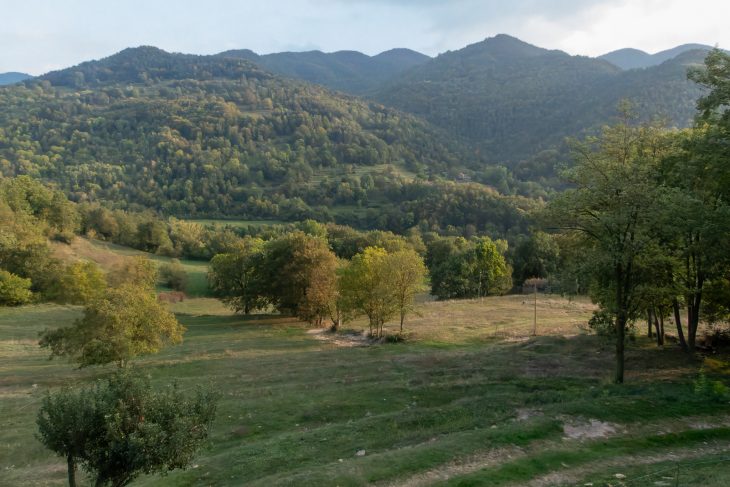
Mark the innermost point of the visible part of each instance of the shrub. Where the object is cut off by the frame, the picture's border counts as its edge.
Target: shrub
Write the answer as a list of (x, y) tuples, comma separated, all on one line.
[(173, 275), (14, 290)]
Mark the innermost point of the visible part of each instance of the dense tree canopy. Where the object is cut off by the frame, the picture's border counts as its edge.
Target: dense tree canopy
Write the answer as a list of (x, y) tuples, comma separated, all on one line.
[(462, 268)]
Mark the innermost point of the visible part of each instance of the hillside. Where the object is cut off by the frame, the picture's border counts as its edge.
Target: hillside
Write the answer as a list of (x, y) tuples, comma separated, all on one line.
[(634, 58), (209, 135), (348, 71), (513, 99), (12, 77)]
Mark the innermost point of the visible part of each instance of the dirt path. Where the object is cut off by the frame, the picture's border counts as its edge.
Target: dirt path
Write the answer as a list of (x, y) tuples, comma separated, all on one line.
[(573, 476), (576, 431), (339, 339), (463, 466)]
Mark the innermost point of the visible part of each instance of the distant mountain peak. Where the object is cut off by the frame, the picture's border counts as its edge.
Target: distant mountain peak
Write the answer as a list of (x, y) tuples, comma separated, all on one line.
[(501, 46), (630, 58), (346, 70), (240, 54), (13, 77), (144, 64)]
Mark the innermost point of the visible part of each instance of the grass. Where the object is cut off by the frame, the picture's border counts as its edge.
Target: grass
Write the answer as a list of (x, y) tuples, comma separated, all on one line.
[(108, 254), (236, 223), (469, 399)]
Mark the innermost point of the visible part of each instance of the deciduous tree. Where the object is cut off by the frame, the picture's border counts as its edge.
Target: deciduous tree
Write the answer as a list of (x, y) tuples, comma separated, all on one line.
[(610, 210), (232, 276), (126, 322), (121, 428)]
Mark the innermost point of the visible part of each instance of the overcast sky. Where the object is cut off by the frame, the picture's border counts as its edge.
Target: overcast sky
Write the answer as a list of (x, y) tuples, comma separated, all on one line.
[(41, 35)]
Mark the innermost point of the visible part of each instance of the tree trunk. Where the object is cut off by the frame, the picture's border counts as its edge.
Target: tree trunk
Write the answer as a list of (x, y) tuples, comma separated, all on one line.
[(402, 317), (678, 321), (693, 318), (621, 318), (620, 338), (648, 323), (659, 334), (71, 471), (660, 338)]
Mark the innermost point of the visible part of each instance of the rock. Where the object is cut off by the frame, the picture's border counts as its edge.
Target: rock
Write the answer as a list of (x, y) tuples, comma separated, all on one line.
[(620, 476), (360, 453)]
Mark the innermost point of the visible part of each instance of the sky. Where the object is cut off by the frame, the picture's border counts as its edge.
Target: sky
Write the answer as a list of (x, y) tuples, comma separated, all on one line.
[(42, 35)]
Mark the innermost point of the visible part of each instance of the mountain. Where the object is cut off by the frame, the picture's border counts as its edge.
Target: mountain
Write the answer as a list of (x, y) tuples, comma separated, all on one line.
[(348, 71), (513, 100), (213, 135), (12, 77), (635, 58), (629, 58)]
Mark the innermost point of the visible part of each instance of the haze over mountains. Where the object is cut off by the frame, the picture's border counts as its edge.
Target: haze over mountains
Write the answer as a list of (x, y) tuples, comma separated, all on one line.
[(12, 77), (630, 58)]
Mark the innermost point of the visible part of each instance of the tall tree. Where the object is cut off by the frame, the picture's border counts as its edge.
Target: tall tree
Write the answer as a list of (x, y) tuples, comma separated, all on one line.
[(233, 278), (321, 298), (610, 210), (698, 216), (290, 265), (406, 275), (367, 289)]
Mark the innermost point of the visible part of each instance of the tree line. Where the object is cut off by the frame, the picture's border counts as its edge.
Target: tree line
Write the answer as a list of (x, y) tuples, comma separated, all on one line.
[(299, 274)]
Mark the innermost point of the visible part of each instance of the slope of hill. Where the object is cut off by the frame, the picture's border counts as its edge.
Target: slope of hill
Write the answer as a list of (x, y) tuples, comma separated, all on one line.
[(635, 58), (513, 99), (205, 135), (13, 77), (348, 71)]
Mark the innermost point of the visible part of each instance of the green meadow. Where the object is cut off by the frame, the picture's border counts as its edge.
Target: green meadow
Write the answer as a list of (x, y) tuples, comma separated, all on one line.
[(471, 398)]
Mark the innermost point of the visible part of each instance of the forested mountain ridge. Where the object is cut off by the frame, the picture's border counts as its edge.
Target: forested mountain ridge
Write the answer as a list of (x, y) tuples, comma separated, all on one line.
[(348, 71), (514, 100), (13, 77), (206, 135)]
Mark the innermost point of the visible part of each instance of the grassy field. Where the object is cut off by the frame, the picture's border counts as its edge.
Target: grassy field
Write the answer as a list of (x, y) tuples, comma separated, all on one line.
[(470, 399), (108, 254), (236, 223)]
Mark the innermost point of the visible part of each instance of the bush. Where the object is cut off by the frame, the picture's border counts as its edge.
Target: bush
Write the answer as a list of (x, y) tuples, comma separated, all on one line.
[(14, 290), (173, 275), (711, 390), (79, 283), (603, 324)]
